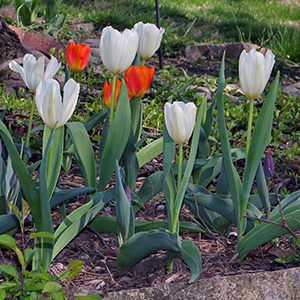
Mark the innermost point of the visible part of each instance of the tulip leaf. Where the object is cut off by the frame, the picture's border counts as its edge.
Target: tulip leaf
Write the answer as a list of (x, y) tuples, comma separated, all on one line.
[(147, 153), (136, 117), (190, 164), (95, 119), (109, 225), (232, 175), (116, 140), (260, 138), (123, 209), (62, 196), (168, 152), (142, 244), (190, 254), (152, 186), (78, 219), (265, 232), (84, 152), (54, 157), (262, 188), (130, 162), (28, 188), (8, 222)]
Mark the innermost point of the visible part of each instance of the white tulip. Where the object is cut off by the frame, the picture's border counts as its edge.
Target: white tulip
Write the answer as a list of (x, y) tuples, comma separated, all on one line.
[(33, 71), (180, 120), (118, 50), (48, 101), (254, 71), (149, 38)]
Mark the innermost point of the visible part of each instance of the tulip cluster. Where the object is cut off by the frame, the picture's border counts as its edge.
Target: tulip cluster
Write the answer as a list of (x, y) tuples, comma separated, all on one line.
[(51, 108)]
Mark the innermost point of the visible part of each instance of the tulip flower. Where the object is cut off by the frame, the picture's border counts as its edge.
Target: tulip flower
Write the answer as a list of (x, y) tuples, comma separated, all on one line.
[(180, 120), (108, 90), (138, 80), (52, 109), (77, 56), (33, 71), (254, 71), (269, 167), (117, 50), (149, 38)]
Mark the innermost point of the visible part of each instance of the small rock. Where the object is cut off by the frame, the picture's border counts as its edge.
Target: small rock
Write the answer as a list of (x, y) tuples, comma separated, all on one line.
[(87, 27), (84, 257), (293, 89), (160, 207)]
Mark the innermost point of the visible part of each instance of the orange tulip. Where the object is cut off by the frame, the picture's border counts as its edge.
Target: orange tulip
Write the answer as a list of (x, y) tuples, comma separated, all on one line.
[(77, 56), (138, 80), (107, 92)]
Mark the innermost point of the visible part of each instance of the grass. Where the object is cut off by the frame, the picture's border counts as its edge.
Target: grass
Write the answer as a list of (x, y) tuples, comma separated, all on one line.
[(202, 21)]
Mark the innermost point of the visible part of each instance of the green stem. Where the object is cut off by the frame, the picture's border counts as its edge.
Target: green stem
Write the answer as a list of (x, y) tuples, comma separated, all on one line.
[(112, 99), (180, 166), (30, 124), (143, 62), (249, 129)]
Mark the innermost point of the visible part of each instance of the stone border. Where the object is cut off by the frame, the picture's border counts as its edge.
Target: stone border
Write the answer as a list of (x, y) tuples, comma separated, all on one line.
[(276, 285)]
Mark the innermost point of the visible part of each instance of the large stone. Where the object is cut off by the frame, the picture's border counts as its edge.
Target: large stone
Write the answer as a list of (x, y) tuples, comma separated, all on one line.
[(215, 51), (277, 285)]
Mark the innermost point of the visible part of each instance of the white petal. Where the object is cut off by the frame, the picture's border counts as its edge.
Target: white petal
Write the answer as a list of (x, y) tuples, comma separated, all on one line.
[(52, 68), (35, 76), (71, 91), (17, 68)]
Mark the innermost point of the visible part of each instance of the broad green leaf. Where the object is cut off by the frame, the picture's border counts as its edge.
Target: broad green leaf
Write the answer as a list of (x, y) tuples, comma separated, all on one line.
[(260, 138), (168, 152), (130, 162), (109, 225), (78, 219), (62, 196), (265, 232), (8, 222), (2, 295), (232, 175), (52, 287), (7, 241), (190, 164), (262, 189), (96, 119), (28, 188), (84, 152), (29, 253), (42, 234), (136, 117), (116, 140), (142, 244), (50, 11), (190, 254), (123, 208), (58, 295), (55, 154), (152, 186), (74, 263), (10, 270), (149, 152)]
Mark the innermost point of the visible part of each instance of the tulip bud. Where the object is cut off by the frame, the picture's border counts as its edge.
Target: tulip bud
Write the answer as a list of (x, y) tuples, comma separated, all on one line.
[(269, 168), (77, 56), (149, 38), (52, 109), (118, 50), (180, 120), (138, 80), (254, 71), (33, 71), (128, 193)]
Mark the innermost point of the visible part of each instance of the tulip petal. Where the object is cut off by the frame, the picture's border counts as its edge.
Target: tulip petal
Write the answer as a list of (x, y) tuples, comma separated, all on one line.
[(17, 68), (52, 68)]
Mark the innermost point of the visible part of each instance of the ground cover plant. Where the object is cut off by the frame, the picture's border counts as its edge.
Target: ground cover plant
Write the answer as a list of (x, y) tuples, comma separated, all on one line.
[(217, 173)]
